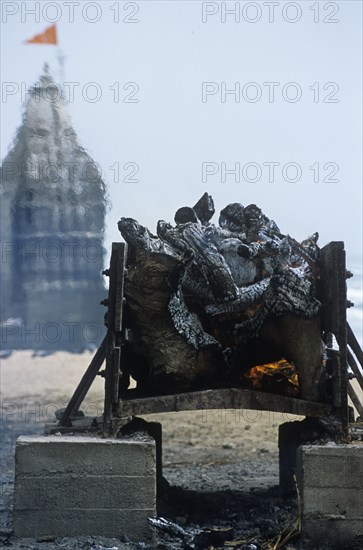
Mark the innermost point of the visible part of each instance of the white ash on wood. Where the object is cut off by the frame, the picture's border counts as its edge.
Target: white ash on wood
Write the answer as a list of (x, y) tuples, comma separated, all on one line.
[(207, 302)]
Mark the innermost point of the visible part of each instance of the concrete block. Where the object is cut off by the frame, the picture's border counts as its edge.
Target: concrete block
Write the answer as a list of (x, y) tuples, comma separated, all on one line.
[(47, 455), (81, 485), (331, 486), (98, 492), (70, 523), (342, 463), (154, 429)]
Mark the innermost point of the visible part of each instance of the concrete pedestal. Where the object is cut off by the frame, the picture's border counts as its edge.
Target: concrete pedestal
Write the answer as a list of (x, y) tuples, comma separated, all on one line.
[(330, 478), (79, 485), (291, 436)]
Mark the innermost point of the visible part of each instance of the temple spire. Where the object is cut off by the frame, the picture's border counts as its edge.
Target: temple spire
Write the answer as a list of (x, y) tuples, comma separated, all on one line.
[(53, 215)]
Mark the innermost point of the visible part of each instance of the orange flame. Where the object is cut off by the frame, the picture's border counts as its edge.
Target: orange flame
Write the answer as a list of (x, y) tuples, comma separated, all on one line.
[(274, 375)]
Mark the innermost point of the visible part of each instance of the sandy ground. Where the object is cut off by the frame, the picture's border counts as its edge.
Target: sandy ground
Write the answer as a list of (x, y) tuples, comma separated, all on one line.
[(33, 387), (223, 464)]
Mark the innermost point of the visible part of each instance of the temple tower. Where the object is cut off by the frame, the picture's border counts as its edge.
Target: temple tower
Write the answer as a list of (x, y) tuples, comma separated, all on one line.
[(53, 202)]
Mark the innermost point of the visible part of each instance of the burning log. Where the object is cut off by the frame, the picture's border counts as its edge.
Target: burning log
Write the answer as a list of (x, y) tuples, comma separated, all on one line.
[(208, 302), (297, 340), (273, 375), (171, 350)]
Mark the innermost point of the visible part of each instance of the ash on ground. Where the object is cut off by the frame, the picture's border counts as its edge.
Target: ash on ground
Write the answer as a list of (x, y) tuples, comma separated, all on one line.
[(203, 491), (221, 465)]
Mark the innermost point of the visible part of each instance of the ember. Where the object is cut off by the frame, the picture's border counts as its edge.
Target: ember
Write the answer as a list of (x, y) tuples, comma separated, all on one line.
[(278, 377)]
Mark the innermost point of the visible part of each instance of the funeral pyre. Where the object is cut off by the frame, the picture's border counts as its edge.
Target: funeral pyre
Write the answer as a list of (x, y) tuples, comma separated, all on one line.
[(207, 305)]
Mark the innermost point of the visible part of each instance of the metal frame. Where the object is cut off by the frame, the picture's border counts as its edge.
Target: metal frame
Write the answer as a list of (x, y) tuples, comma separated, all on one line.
[(109, 350), (118, 408), (333, 290)]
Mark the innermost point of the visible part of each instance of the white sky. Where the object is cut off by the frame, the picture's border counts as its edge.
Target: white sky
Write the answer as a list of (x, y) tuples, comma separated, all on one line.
[(170, 132)]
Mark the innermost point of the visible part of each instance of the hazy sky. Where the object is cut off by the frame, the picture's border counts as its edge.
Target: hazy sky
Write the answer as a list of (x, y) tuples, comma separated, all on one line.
[(295, 65)]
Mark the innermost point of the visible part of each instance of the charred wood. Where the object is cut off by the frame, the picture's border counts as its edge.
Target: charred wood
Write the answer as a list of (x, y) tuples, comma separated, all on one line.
[(207, 302), (204, 209)]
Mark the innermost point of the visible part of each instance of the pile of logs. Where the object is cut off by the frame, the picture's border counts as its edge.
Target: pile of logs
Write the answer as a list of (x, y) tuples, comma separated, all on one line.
[(206, 302)]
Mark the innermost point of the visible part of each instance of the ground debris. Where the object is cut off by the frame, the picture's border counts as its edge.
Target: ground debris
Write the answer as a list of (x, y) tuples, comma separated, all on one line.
[(210, 487), (197, 538)]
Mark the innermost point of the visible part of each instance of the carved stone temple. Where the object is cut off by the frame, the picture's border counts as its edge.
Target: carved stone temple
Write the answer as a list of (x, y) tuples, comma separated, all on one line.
[(52, 226)]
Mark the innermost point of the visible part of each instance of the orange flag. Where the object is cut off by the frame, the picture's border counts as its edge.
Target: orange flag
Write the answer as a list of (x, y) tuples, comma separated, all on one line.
[(49, 36)]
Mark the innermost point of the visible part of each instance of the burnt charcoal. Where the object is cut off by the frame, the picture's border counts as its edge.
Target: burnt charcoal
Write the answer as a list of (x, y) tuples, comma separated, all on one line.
[(204, 208), (232, 217), (258, 226), (185, 215), (213, 537), (244, 251), (311, 247)]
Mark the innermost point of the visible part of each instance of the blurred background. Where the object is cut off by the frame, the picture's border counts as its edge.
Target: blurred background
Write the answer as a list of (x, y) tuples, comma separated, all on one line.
[(147, 105), (135, 109)]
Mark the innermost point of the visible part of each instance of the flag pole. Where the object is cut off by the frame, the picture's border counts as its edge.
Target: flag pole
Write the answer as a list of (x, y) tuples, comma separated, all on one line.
[(61, 58)]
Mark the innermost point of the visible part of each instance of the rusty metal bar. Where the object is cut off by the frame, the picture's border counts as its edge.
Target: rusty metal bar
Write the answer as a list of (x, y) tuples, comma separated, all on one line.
[(114, 337), (334, 319), (341, 335), (221, 398), (84, 385)]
